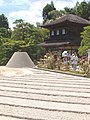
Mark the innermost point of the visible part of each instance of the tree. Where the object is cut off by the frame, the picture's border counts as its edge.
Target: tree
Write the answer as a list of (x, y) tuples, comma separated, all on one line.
[(4, 27), (89, 9), (25, 37), (2, 51), (83, 9), (68, 10), (54, 14), (22, 30), (85, 43), (48, 8), (4, 32), (4, 22)]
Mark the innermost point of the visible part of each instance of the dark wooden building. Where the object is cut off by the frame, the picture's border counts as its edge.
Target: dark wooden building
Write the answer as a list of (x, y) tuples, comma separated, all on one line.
[(65, 33)]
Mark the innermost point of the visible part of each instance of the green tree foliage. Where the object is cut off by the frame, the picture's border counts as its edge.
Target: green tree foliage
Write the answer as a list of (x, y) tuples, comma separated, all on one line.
[(89, 9), (2, 50), (11, 46), (54, 14), (4, 21), (48, 8), (68, 10), (85, 43), (22, 30), (83, 10), (26, 37), (4, 27), (5, 33)]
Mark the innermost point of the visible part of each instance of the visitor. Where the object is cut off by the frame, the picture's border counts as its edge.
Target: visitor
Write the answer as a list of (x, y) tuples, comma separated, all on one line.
[(68, 57), (64, 56), (74, 61), (55, 56)]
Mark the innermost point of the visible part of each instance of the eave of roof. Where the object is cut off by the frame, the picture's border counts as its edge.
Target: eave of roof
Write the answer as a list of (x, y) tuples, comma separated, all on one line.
[(54, 44), (71, 18), (45, 44)]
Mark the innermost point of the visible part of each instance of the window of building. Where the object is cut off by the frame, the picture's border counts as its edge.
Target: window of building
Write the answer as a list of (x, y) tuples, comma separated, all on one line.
[(57, 32), (52, 32), (63, 31)]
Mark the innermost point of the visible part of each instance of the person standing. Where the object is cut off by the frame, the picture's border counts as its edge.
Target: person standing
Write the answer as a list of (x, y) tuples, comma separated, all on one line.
[(74, 60), (55, 56), (64, 56)]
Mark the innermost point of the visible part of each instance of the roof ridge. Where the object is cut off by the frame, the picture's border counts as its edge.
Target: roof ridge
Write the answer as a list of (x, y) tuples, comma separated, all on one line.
[(69, 17)]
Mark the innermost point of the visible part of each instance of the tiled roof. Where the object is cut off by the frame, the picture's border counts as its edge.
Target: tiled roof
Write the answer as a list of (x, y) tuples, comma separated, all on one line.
[(54, 44), (70, 18)]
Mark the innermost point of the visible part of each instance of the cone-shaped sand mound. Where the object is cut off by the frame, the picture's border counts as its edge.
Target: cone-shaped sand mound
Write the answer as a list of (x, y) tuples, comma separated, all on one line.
[(20, 59)]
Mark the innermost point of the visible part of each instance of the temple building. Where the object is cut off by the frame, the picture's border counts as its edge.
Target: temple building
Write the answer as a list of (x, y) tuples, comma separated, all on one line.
[(65, 33)]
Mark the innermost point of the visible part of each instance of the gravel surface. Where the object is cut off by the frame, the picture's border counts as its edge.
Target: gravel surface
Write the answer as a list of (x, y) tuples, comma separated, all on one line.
[(32, 94)]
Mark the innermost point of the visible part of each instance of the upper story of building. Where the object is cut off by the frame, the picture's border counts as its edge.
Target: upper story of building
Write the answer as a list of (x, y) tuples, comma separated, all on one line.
[(66, 29)]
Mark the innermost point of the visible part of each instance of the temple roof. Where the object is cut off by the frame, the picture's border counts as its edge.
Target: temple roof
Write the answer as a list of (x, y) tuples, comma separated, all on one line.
[(53, 44), (44, 44), (70, 17)]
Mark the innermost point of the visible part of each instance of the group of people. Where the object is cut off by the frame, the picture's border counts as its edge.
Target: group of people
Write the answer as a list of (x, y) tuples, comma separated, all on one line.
[(71, 59)]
